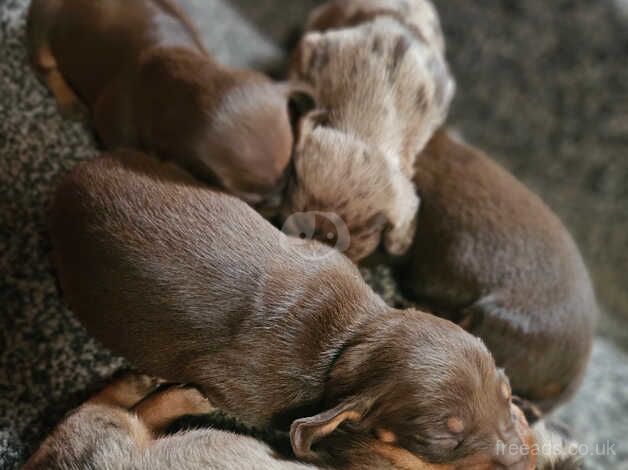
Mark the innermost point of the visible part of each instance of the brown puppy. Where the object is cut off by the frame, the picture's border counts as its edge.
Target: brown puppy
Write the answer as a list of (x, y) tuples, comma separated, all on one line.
[(142, 71), (194, 286), (379, 71), (122, 427), (490, 255)]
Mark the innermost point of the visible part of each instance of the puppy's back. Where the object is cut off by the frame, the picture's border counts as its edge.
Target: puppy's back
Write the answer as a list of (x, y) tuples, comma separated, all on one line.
[(196, 287), (491, 251), (145, 254)]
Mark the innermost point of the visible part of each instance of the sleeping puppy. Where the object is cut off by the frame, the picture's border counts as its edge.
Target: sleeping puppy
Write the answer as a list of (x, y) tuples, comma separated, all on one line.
[(123, 427), (491, 256), (194, 286), (379, 73), (143, 73)]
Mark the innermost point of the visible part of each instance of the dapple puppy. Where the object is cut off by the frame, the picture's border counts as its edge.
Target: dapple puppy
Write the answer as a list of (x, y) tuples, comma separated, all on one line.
[(379, 73), (194, 286), (142, 71), (490, 255)]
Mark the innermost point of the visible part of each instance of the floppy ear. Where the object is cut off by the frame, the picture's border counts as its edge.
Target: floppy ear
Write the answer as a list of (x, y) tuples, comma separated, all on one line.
[(305, 432)]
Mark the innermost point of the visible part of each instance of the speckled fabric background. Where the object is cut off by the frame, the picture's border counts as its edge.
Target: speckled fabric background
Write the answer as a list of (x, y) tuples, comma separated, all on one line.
[(542, 86)]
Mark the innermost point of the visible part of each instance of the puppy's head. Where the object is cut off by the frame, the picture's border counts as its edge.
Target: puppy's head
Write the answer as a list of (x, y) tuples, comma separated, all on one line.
[(422, 384), (336, 174), (251, 138)]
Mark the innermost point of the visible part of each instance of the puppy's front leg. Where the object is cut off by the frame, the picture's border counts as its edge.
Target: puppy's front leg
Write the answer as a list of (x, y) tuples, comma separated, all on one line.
[(402, 216)]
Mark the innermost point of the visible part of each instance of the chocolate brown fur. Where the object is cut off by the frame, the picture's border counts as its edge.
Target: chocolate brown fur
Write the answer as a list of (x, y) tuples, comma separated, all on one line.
[(194, 286), (142, 71), (489, 254), (378, 70)]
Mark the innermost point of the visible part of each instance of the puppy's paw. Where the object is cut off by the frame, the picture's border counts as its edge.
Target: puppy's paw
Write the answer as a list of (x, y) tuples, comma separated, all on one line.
[(191, 401), (398, 240), (399, 237), (402, 214), (160, 409), (126, 389)]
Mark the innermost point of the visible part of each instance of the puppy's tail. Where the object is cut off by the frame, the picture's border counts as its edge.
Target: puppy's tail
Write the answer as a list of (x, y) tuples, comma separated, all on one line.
[(557, 450)]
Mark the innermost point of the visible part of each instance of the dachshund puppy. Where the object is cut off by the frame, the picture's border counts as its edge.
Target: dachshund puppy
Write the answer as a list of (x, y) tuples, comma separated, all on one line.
[(194, 286), (148, 82), (379, 72), (123, 427), (490, 255)]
